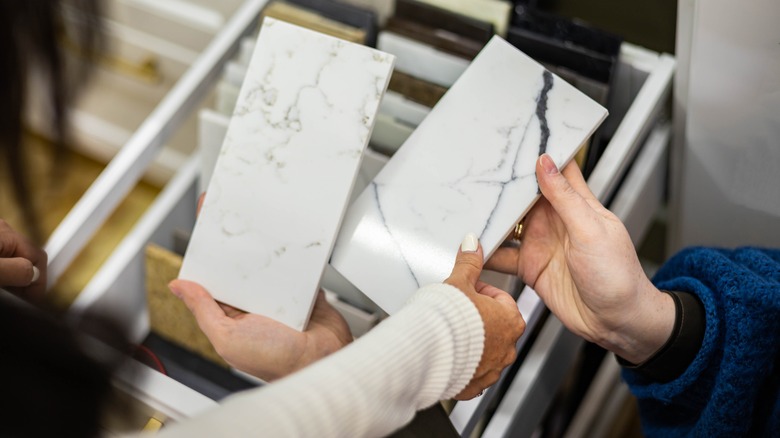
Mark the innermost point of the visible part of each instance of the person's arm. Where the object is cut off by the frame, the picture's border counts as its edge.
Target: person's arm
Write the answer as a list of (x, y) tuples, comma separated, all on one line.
[(677, 353), (731, 386), (710, 375), (450, 340), (426, 352)]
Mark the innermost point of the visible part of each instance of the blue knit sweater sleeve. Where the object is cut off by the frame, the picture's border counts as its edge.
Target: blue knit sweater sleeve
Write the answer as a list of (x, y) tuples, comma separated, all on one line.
[(731, 387)]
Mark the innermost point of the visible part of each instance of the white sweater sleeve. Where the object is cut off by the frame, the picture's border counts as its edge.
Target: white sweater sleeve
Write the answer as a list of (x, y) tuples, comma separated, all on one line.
[(426, 352)]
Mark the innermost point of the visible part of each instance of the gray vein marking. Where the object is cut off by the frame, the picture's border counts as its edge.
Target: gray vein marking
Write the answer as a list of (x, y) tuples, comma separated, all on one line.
[(384, 222), (541, 111), (541, 114)]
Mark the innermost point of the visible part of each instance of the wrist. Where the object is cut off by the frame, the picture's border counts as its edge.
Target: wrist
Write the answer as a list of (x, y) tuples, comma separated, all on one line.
[(646, 329)]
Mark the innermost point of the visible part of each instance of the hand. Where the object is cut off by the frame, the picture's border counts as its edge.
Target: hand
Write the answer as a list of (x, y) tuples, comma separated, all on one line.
[(22, 265), (259, 345), (579, 258), (500, 316)]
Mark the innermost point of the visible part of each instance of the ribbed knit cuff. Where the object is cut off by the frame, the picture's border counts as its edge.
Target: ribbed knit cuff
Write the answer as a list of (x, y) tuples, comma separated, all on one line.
[(466, 330)]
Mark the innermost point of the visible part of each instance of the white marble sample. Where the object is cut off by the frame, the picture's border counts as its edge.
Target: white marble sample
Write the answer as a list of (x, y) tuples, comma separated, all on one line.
[(421, 60), (469, 167), (400, 108), (234, 73), (389, 134), (283, 179), (212, 127), (245, 50), (226, 98), (372, 163)]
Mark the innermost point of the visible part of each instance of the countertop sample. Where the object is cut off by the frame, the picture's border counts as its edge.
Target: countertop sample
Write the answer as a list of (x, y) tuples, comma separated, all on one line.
[(468, 167), (283, 179)]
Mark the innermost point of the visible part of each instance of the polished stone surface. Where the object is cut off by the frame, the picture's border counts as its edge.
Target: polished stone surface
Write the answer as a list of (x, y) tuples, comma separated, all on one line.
[(421, 60), (283, 179), (417, 90), (309, 19), (439, 18), (496, 12), (469, 167), (439, 39)]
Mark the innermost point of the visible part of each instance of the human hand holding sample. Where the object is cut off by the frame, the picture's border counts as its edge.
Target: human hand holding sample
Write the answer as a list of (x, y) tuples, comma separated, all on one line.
[(22, 264), (259, 345), (270, 350), (579, 258), (500, 316)]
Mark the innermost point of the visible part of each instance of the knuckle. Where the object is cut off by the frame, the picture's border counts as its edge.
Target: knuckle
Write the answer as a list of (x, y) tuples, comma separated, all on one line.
[(510, 357)]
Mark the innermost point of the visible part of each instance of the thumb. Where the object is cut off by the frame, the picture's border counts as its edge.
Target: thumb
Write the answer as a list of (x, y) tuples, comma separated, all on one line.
[(206, 311), (564, 198), (469, 261)]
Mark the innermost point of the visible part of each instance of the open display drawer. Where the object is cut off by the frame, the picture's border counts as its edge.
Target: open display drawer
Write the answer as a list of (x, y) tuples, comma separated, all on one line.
[(629, 177)]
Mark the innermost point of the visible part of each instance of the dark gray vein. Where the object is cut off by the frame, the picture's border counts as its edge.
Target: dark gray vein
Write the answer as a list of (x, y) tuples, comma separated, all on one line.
[(544, 134), (541, 111)]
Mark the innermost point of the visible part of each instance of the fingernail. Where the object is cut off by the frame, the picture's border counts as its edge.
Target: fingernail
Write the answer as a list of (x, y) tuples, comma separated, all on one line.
[(36, 274), (470, 243), (174, 289), (548, 165)]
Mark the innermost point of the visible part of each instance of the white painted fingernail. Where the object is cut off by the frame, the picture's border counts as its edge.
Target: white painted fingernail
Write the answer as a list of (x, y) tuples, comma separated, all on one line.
[(36, 274), (470, 243)]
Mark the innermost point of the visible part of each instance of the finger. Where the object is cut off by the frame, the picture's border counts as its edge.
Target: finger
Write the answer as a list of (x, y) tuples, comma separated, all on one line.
[(13, 244), (504, 260), (468, 262), (479, 384), (206, 311), (17, 272), (322, 308), (566, 201), (495, 293)]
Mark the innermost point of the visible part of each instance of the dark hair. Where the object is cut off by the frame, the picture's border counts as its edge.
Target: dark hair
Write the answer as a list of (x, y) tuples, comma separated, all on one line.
[(53, 382), (32, 36)]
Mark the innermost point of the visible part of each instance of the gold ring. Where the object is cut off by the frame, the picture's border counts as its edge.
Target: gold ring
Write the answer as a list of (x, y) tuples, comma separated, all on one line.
[(517, 233)]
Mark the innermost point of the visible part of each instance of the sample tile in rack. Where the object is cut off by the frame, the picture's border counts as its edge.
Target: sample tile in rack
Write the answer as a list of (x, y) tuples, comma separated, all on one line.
[(468, 167), (282, 182)]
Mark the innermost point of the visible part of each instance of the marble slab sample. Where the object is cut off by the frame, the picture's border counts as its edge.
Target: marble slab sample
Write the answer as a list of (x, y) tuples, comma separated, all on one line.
[(234, 73), (496, 12), (416, 90), (399, 107), (421, 60), (283, 179), (442, 40), (311, 20), (212, 128), (469, 167), (389, 134), (348, 14), (226, 97), (440, 18)]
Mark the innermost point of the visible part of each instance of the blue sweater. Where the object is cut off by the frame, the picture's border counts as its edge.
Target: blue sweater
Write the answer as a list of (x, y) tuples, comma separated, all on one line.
[(731, 387)]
